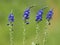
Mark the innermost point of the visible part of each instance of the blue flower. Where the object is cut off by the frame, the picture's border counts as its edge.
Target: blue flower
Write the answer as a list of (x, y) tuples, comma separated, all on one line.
[(26, 13), (39, 15), (49, 15), (11, 18)]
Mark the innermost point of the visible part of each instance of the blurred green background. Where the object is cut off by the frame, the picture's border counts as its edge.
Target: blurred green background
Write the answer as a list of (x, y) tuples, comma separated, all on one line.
[(18, 7)]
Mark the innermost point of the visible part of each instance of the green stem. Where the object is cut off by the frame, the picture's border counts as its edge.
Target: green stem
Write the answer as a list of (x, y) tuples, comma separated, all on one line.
[(24, 33), (11, 33), (37, 34)]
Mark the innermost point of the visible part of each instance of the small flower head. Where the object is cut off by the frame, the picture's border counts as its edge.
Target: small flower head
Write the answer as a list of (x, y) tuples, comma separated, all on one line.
[(39, 15), (11, 17), (26, 14), (49, 15)]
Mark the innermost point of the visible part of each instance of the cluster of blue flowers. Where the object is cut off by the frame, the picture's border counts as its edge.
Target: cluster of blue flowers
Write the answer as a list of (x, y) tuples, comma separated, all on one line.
[(49, 15), (38, 16), (26, 14), (11, 17)]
